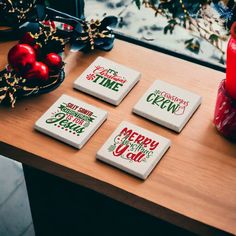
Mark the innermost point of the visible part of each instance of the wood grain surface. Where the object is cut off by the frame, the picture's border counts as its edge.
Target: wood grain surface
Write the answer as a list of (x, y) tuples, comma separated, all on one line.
[(193, 186)]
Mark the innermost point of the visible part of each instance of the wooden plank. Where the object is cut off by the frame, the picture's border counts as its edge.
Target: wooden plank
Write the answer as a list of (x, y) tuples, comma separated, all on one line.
[(194, 185)]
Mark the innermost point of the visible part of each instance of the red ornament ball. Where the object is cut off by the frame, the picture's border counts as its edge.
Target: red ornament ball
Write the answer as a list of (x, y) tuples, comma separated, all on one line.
[(37, 74), (21, 56), (37, 49), (27, 39), (53, 61)]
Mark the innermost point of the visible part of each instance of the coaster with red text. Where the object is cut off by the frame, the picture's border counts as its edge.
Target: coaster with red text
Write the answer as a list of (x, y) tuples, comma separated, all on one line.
[(107, 80), (167, 105), (133, 149), (71, 121)]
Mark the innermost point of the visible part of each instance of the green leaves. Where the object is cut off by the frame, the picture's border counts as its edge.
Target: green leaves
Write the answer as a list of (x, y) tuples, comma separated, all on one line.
[(214, 39), (192, 45), (194, 16), (138, 3), (112, 148), (170, 27)]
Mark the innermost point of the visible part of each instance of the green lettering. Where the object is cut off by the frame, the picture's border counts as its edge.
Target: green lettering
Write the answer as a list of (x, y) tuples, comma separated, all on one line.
[(104, 79), (97, 78), (109, 83), (173, 107), (79, 130), (56, 118), (149, 98), (158, 99), (116, 87), (70, 125), (163, 104)]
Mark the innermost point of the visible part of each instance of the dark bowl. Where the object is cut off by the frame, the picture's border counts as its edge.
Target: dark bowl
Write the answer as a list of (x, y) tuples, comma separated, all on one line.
[(13, 87)]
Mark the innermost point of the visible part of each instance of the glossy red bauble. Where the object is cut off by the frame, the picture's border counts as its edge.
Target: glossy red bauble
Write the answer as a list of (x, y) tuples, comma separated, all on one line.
[(27, 39), (21, 56), (38, 73), (53, 61), (37, 49)]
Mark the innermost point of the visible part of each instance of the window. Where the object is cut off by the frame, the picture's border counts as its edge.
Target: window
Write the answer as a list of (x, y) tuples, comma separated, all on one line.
[(162, 26)]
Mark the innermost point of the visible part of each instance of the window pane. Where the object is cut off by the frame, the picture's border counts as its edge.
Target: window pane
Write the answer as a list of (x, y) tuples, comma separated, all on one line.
[(204, 37)]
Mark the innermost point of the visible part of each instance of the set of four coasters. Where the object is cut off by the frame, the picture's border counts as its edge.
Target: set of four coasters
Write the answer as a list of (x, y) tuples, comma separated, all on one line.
[(130, 147)]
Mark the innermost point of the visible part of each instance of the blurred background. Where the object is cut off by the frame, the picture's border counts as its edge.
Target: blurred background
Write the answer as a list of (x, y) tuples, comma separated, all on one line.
[(196, 29)]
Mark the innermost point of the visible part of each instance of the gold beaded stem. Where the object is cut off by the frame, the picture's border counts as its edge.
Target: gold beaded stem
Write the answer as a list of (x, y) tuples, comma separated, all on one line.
[(186, 14)]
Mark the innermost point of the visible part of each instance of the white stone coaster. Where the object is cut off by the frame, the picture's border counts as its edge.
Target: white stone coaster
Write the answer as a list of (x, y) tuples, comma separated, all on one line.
[(107, 80), (71, 121), (167, 105), (133, 149)]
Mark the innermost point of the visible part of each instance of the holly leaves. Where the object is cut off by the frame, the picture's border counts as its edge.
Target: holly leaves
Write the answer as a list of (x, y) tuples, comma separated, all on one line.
[(192, 45), (112, 148)]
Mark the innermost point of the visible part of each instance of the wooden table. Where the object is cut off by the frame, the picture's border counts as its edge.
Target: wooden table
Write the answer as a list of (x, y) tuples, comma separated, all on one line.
[(194, 185)]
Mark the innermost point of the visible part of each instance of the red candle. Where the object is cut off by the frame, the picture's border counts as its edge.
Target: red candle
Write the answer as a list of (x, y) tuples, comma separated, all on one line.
[(231, 63)]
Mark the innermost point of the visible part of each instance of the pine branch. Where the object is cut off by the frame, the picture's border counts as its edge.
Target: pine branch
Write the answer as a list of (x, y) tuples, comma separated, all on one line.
[(193, 24)]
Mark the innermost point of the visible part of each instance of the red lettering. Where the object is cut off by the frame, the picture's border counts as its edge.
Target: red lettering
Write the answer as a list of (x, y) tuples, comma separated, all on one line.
[(132, 136), (147, 141), (153, 145), (126, 132), (120, 150), (136, 157), (139, 138)]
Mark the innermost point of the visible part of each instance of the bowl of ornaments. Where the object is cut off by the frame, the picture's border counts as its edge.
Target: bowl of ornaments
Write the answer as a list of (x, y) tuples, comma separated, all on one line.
[(35, 66)]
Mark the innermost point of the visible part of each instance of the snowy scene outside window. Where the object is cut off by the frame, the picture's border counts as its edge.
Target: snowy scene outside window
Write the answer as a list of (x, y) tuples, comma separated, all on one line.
[(199, 29)]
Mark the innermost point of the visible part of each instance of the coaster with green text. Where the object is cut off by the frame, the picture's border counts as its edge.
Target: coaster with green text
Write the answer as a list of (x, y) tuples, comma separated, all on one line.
[(71, 121), (107, 80), (167, 105)]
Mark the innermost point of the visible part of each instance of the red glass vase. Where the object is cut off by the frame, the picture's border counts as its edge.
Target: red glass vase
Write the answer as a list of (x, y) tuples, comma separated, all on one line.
[(225, 113)]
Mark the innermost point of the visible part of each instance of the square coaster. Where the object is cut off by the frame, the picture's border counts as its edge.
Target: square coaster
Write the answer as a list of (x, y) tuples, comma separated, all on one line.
[(71, 121), (133, 149), (167, 105), (107, 80)]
